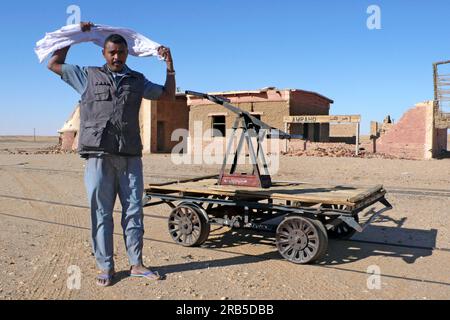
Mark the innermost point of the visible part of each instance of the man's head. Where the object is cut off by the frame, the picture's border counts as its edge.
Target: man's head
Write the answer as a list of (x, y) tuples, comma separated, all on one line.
[(115, 51)]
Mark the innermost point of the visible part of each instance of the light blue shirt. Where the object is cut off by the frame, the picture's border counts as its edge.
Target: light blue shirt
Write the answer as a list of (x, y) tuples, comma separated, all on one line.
[(76, 77)]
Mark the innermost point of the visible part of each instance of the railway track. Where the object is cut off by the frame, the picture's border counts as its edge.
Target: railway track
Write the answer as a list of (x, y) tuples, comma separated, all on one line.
[(424, 192), (16, 198)]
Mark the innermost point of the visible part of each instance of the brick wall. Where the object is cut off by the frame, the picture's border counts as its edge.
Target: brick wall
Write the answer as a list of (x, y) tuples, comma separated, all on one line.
[(308, 103), (414, 136), (171, 114), (174, 115), (343, 132), (68, 140), (271, 113), (407, 137)]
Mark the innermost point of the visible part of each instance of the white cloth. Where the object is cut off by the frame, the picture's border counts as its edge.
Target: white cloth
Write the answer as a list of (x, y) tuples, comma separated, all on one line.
[(138, 45)]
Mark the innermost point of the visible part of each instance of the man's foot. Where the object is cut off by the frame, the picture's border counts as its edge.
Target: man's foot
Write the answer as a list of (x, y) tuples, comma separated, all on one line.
[(142, 272), (104, 279)]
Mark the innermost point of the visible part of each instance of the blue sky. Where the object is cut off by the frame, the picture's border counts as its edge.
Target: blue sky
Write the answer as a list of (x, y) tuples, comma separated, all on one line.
[(323, 46)]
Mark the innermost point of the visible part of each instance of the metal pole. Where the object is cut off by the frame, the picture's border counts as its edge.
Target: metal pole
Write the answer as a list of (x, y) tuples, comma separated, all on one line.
[(357, 138), (286, 142)]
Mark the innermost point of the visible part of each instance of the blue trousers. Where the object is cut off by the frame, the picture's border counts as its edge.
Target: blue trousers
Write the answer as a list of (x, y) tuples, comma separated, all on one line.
[(105, 178)]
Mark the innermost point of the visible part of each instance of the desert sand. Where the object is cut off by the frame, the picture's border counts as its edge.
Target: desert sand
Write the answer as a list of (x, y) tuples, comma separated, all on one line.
[(45, 235)]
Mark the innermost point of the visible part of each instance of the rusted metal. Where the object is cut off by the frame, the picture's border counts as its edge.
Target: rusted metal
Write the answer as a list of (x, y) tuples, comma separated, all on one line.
[(248, 180)]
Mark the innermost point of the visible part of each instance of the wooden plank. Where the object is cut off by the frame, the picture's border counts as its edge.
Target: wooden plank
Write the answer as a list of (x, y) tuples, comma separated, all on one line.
[(286, 191), (278, 187), (186, 180), (197, 191), (284, 188), (328, 197), (366, 193)]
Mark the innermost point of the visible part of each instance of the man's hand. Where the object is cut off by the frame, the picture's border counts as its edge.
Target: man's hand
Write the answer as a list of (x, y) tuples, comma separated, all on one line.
[(86, 26), (167, 56)]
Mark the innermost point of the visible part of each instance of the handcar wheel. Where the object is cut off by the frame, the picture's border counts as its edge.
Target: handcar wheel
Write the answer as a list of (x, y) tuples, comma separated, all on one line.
[(187, 226), (301, 240)]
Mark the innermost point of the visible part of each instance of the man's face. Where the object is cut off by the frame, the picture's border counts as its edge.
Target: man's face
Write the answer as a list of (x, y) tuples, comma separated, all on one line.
[(115, 55)]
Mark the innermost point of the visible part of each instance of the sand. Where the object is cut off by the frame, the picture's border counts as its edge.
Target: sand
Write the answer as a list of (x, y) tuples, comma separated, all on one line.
[(45, 236)]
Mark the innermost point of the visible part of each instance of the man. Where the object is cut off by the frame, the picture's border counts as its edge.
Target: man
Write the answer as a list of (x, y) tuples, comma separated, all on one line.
[(109, 139)]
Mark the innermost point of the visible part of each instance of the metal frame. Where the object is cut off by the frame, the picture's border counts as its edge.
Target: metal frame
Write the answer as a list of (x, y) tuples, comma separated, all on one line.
[(251, 127), (260, 213)]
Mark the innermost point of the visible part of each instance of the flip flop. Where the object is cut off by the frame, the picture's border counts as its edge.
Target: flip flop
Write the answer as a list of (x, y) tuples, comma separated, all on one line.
[(150, 275), (106, 277)]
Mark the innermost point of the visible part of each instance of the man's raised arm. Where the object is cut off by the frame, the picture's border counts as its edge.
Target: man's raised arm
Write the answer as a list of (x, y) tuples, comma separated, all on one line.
[(59, 56), (169, 86), (57, 60)]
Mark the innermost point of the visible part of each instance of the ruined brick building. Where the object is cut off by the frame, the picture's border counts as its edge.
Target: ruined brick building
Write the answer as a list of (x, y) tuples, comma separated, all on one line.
[(414, 136)]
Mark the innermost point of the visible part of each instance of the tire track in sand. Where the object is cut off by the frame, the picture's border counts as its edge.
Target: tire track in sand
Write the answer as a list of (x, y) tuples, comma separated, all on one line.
[(71, 240), (59, 245)]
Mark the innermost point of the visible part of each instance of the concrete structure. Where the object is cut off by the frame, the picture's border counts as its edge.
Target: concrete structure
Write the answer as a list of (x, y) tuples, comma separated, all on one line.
[(414, 136), (68, 134), (270, 104)]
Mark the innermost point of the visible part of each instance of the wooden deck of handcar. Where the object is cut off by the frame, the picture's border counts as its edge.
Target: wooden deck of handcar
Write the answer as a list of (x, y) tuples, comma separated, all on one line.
[(307, 194)]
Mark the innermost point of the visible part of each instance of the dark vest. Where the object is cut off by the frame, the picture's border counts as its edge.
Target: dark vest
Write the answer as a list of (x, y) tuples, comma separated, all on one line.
[(109, 114)]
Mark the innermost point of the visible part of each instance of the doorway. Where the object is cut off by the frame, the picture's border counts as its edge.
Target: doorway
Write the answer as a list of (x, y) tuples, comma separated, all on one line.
[(160, 138)]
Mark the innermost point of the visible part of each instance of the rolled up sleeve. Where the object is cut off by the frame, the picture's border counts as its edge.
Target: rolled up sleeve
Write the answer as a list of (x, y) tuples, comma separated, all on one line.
[(75, 76), (152, 91)]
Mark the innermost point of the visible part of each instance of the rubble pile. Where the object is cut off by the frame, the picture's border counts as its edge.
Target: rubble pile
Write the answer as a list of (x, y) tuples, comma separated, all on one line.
[(335, 150), (55, 149)]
